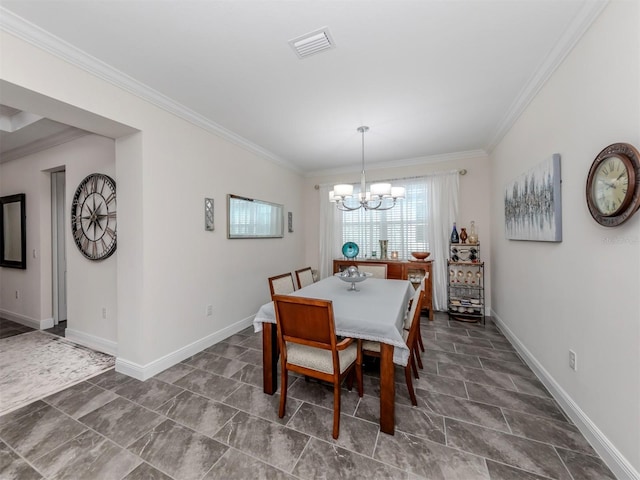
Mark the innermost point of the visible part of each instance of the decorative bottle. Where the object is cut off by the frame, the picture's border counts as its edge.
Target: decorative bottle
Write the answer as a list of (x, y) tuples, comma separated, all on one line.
[(454, 234), (473, 236), (383, 249), (463, 235)]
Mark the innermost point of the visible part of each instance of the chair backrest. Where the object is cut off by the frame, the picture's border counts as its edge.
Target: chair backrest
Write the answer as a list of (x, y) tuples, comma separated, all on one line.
[(304, 277), (378, 271), (413, 317), (281, 284), (308, 321)]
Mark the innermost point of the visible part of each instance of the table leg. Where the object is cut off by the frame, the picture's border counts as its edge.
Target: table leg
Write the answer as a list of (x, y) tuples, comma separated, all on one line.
[(270, 358), (387, 389)]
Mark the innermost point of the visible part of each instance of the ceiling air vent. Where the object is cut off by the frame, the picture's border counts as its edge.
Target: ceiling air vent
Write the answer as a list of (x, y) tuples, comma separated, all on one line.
[(312, 42)]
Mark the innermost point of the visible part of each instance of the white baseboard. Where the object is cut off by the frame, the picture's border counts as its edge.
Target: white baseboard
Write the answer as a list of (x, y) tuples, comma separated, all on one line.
[(91, 341), (143, 372), (27, 321), (618, 464)]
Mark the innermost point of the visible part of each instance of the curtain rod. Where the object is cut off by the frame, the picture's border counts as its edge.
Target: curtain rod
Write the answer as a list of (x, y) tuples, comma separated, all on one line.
[(462, 171)]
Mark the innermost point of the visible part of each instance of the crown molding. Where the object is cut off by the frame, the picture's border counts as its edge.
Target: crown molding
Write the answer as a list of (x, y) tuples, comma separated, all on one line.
[(27, 31), (581, 23), (65, 136), (407, 162)]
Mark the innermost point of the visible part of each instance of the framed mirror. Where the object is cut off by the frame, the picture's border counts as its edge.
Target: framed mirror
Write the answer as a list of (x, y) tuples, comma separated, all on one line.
[(251, 218), (13, 241)]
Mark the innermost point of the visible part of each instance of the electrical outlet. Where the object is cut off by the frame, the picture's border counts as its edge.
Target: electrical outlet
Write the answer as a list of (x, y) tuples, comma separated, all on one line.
[(209, 311), (573, 360), (104, 313)]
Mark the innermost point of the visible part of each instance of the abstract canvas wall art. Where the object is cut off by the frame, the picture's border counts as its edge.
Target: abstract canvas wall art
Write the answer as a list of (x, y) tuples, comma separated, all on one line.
[(533, 204)]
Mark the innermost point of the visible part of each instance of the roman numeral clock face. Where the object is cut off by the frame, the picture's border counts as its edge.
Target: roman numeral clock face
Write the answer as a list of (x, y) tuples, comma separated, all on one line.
[(93, 216), (613, 185)]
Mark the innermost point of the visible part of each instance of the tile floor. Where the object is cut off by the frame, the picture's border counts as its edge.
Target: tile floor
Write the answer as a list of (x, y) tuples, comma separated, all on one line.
[(482, 414)]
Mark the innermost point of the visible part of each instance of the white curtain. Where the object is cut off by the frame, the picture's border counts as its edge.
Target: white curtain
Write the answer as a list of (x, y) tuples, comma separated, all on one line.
[(330, 233), (443, 211)]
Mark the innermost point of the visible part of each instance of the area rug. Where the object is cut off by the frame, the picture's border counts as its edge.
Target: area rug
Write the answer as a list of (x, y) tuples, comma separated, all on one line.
[(37, 364)]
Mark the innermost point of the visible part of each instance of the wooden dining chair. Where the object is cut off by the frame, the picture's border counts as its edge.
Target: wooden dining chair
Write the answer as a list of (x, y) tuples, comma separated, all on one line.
[(304, 276), (378, 271), (373, 348), (310, 348), (281, 284)]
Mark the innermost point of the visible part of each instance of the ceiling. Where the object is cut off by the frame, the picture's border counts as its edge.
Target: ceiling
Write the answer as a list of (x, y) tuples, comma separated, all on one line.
[(430, 78)]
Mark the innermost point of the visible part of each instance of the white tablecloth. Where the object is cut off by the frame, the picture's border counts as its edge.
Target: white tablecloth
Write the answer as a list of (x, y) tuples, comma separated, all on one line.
[(376, 312)]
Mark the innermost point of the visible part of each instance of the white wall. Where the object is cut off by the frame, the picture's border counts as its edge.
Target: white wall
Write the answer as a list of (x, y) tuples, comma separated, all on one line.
[(473, 201), (581, 294), (168, 267), (90, 285)]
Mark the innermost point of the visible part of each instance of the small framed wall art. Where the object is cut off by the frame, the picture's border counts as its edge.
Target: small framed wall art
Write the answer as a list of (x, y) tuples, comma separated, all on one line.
[(208, 214), (290, 221)]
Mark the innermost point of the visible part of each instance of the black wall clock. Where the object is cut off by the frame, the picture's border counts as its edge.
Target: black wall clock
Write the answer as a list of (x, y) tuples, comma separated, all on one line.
[(93, 216), (613, 185)]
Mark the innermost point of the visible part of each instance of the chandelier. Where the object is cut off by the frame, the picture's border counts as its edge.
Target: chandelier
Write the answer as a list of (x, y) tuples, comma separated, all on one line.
[(382, 196)]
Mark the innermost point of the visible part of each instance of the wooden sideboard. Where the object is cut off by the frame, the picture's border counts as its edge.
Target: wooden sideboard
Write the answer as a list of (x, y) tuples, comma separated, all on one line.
[(399, 270)]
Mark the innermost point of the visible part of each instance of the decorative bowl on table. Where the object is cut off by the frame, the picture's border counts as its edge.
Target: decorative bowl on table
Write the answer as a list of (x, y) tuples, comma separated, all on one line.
[(353, 275), (420, 256)]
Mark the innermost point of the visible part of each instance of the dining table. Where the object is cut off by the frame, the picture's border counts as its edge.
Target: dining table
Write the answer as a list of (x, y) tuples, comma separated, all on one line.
[(375, 311)]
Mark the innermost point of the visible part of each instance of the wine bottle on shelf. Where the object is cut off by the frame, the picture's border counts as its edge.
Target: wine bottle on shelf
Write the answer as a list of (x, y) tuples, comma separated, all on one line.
[(455, 238)]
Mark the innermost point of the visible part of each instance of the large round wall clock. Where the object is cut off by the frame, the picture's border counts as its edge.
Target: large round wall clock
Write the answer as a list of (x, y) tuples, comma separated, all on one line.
[(93, 216), (613, 185)]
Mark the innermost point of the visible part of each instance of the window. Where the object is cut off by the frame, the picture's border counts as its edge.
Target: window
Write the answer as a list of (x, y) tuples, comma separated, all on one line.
[(404, 226)]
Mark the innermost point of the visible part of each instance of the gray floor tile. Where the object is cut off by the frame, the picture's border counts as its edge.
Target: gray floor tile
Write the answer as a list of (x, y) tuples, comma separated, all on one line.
[(437, 345), (561, 434), (213, 363), (428, 459), (324, 460), (208, 384), (476, 375), (440, 384), (144, 471), (272, 443), (528, 455), (14, 467), (456, 358), (22, 411), (110, 380), (39, 432), (490, 352), (469, 411), (510, 368), (80, 399), (178, 451), (500, 471), (88, 455), (253, 400), (321, 394), (463, 340), (413, 420), (356, 434), (227, 350), (251, 356), (251, 374), (255, 342), (235, 465), (175, 373), (585, 467), (520, 402), (197, 412), (151, 393), (121, 420), (530, 385)]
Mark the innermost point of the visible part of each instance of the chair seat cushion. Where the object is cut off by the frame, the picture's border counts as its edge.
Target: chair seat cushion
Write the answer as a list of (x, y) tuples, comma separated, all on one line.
[(370, 346), (319, 359)]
